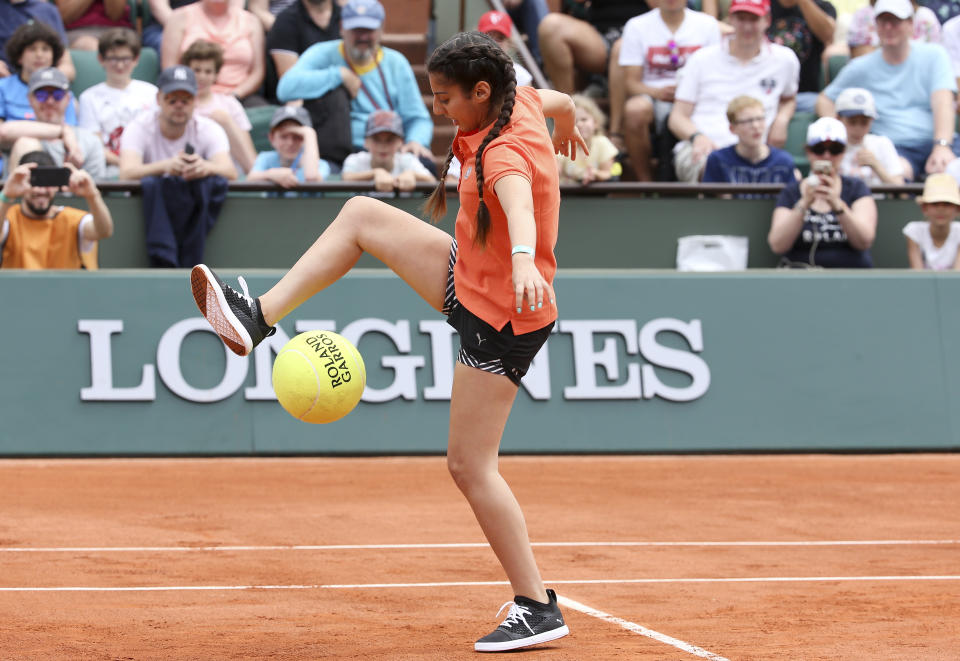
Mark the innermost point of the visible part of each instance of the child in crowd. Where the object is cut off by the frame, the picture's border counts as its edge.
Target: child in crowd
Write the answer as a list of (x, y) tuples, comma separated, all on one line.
[(382, 162), (601, 163), (870, 157), (295, 158), (106, 108), (32, 46), (206, 59), (932, 243), (498, 26), (750, 160)]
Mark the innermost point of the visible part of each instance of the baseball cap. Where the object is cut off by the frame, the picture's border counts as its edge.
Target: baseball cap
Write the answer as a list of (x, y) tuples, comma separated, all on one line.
[(49, 77), (902, 9), (384, 120), (758, 7), (295, 113), (940, 187), (826, 129), (495, 21), (367, 14), (856, 101), (177, 79)]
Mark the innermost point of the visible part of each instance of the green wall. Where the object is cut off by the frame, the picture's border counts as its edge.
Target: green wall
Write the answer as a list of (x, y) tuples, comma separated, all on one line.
[(120, 363), (595, 232)]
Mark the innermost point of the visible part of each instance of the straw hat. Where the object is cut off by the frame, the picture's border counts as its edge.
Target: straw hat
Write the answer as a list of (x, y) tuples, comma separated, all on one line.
[(940, 188)]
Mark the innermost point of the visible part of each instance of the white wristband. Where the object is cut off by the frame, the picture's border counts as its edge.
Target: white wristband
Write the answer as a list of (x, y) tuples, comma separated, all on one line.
[(522, 248)]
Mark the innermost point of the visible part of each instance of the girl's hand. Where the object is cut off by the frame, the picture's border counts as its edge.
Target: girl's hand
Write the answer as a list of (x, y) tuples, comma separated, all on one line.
[(532, 290), (565, 142)]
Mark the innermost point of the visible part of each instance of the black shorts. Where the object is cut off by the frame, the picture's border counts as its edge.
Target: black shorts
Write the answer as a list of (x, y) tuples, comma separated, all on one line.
[(483, 346)]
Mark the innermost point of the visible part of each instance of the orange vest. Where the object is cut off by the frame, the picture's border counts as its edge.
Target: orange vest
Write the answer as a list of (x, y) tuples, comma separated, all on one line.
[(50, 243), (483, 276)]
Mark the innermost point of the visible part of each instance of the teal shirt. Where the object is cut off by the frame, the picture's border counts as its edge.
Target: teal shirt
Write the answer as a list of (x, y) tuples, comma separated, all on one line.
[(317, 71)]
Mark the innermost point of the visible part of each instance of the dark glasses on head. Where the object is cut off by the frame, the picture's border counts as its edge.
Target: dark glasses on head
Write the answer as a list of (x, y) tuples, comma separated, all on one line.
[(42, 95), (823, 147)]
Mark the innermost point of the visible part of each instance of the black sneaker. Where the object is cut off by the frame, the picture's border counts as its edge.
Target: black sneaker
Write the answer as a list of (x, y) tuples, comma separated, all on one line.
[(235, 316), (528, 623)]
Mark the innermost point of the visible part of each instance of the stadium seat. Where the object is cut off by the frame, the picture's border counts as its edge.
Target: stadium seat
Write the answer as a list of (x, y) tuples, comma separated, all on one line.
[(89, 71), (260, 124), (797, 139), (834, 64)]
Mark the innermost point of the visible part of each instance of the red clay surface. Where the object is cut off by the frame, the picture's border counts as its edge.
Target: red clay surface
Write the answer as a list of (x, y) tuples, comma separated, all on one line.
[(99, 514)]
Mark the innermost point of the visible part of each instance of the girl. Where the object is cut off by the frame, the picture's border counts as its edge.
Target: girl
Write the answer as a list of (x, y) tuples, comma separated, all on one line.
[(601, 165), (932, 243), (493, 281)]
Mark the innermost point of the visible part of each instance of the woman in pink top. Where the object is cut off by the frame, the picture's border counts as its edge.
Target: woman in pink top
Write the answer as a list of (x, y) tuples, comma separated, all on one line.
[(238, 31)]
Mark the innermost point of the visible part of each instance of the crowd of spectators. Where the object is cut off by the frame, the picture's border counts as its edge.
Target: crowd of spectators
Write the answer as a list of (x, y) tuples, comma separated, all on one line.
[(668, 90)]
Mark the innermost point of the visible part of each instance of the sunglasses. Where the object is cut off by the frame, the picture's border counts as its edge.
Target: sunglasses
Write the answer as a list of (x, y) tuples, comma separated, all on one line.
[(822, 148), (42, 95)]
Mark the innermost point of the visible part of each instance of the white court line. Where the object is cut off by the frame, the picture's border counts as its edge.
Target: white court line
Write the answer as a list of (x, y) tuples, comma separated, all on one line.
[(464, 545), (460, 584), (640, 629)]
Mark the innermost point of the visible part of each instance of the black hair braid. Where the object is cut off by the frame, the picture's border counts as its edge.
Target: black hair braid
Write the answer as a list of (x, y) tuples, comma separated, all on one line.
[(466, 59), (506, 110)]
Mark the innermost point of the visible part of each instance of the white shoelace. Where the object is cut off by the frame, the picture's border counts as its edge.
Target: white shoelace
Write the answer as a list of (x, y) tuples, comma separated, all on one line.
[(246, 292), (514, 615)]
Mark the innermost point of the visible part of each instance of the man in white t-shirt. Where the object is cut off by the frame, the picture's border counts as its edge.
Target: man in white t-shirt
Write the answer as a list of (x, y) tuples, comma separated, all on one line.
[(868, 156), (183, 163), (654, 46), (745, 64), (108, 107)]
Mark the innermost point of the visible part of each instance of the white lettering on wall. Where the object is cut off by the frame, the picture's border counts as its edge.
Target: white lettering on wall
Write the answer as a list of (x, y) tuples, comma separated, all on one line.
[(586, 358), (101, 366), (682, 361), (606, 357), (168, 365)]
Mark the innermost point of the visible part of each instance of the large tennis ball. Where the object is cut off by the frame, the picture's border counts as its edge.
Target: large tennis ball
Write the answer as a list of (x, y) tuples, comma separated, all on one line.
[(318, 376)]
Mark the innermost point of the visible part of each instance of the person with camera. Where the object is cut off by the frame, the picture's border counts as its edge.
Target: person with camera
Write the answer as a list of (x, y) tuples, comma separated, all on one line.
[(35, 234), (183, 163), (826, 220)]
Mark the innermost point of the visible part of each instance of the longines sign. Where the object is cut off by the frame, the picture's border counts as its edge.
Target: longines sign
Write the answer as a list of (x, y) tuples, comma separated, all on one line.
[(628, 355)]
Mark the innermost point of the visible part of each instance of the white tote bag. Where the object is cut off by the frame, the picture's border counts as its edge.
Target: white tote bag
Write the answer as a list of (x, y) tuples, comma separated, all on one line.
[(712, 253)]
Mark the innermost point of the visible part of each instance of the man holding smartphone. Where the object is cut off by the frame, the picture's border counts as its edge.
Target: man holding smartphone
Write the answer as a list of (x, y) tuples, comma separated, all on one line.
[(183, 163), (35, 234)]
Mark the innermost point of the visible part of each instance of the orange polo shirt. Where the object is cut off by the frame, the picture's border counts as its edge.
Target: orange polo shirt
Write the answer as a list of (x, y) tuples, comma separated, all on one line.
[(50, 243), (483, 276)]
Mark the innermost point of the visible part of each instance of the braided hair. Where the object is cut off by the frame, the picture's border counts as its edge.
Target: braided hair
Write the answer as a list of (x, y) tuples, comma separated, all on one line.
[(466, 59)]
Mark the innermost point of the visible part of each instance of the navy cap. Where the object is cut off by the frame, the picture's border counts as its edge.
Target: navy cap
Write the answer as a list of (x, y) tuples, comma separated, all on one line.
[(177, 79)]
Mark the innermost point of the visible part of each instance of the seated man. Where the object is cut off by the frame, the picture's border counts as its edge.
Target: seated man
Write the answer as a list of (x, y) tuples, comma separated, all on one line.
[(183, 163), (913, 86), (745, 64), (654, 47), (49, 96), (34, 234), (343, 82)]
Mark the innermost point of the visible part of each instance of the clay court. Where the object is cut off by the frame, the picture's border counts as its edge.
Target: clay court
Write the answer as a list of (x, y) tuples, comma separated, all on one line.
[(659, 557)]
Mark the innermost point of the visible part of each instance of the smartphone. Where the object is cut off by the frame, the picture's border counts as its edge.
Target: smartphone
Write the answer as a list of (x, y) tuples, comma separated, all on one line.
[(45, 175), (188, 148), (821, 167)]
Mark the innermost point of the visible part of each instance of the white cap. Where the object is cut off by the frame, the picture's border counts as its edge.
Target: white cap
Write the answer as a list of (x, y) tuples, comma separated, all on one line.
[(902, 9), (826, 129), (856, 101)]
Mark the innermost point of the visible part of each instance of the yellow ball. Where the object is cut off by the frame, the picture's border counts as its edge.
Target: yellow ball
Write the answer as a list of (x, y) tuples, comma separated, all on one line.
[(319, 376)]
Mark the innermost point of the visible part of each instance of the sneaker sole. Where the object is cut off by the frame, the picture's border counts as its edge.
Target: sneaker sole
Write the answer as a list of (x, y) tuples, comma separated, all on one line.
[(213, 306), (544, 637)]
